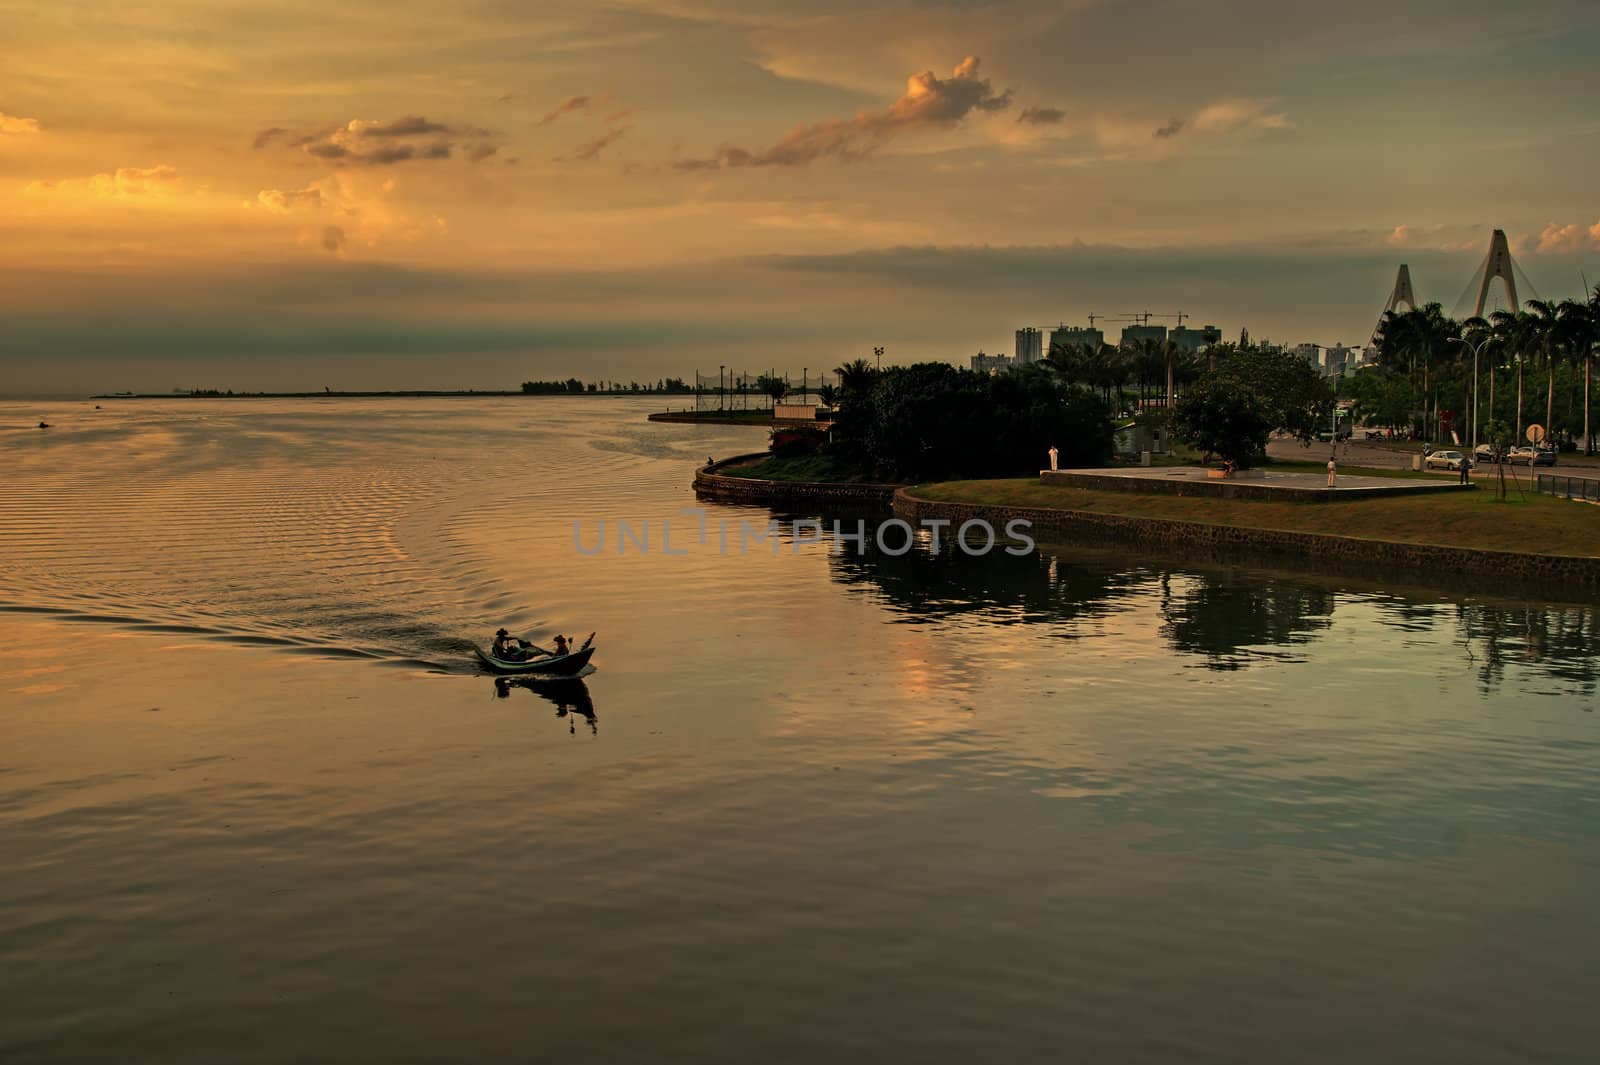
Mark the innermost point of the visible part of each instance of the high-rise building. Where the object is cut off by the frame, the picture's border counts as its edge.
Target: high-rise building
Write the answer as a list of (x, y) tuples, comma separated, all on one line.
[(1065, 336), (1312, 353), (1134, 335), (1186, 339), (1030, 346), (982, 363)]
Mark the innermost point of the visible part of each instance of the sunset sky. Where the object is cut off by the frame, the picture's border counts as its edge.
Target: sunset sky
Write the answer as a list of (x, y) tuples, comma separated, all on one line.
[(240, 194)]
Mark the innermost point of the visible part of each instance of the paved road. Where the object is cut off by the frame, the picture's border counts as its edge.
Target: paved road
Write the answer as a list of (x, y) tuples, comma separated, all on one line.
[(1385, 455)]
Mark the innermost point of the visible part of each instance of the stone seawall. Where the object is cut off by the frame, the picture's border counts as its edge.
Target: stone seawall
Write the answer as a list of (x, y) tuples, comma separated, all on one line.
[(710, 483), (1562, 576)]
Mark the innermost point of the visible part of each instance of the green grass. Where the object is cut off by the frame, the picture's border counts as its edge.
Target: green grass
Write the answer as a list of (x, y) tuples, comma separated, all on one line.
[(803, 468), (1533, 524)]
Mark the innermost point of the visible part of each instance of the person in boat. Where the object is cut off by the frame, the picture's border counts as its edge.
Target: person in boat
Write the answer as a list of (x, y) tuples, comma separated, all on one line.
[(507, 647), (562, 646)]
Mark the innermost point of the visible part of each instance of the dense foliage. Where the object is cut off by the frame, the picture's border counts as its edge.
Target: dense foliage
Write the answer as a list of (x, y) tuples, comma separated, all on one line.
[(930, 421), (1220, 418), (1533, 365)]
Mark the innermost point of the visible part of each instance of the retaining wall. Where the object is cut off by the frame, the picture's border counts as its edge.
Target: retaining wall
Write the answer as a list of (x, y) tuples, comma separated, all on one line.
[(1563, 575), (710, 483)]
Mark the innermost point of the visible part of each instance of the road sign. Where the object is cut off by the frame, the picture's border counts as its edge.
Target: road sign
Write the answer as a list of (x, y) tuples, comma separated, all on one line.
[(1535, 434)]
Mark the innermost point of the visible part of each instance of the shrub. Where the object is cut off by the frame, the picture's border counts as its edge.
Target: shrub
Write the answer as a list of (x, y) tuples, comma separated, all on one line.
[(793, 442)]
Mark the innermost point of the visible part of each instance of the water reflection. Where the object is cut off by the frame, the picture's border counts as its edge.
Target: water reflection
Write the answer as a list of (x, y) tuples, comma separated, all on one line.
[(1228, 621), (569, 696), (1562, 641), (1226, 617), (922, 586)]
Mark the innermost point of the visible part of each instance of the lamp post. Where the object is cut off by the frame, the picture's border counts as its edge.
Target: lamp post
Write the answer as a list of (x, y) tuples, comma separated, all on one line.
[(1476, 348)]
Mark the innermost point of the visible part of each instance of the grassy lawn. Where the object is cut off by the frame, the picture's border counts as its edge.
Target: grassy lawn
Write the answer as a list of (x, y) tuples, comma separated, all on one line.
[(1534, 524), (803, 468)]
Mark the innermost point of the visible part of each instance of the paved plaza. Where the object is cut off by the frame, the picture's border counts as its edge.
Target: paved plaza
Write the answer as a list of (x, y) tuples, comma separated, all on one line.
[(1248, 484)]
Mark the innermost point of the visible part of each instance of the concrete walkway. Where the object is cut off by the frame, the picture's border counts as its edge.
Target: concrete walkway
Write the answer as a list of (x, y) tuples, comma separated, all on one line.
[(1251, 484)]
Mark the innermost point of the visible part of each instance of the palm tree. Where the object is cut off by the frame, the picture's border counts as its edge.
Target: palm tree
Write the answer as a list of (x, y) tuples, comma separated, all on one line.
[(855, 379), (1074, 363), (1547, 332), (1581, 323), (1477, 332), (1417, 338), (1516, 331)]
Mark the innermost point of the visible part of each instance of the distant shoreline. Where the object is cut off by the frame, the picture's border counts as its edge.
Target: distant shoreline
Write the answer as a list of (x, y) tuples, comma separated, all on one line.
[(396, 394)]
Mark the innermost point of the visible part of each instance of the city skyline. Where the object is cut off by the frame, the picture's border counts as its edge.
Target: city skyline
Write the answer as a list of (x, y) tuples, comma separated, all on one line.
[(260, 197)]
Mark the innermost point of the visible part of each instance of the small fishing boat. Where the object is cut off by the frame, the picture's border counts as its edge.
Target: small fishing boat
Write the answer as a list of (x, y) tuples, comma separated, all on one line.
[(543, 665)]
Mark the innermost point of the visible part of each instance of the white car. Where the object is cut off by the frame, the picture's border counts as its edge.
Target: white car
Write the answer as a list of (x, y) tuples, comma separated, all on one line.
[(1449, 460)]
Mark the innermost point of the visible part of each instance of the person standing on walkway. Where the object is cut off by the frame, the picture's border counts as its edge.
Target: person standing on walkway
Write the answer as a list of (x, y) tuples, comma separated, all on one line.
[(1333, 471), (1466, 470)]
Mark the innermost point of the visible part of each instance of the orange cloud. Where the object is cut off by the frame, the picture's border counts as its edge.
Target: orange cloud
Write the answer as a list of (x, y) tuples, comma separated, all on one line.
[(281, 202), (1227, 115), (929, 102), (17, 124), (136, 181), (1557, 239)]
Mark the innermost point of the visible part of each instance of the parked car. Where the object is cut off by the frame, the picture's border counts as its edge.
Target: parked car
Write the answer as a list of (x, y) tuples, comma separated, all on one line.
[(1532, 456), (1377, 434), (1484, 453), (1449, 460)]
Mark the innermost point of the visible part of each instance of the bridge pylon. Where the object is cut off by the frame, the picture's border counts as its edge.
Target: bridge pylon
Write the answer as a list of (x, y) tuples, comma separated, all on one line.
[(1401, 293), (1498, 264)]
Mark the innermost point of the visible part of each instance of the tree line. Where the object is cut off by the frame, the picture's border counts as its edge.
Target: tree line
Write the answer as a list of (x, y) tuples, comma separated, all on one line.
[(572, 386), (1534, 365)]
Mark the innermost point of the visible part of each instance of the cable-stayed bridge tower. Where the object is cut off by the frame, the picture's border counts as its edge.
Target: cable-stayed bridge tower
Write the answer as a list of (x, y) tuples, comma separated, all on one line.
[(1499, 264), (1401, 293)]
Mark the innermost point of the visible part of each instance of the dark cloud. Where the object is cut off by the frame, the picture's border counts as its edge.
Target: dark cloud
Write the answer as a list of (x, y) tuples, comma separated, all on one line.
[(570, 104), (1173, 127), (1041, 116), (333, 239), (267, 136), (592, 149), (929, 102), (365, 143), (407, 126)]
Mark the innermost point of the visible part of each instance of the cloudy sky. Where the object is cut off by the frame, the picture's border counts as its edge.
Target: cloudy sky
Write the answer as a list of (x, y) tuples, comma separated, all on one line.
[(297, 194)]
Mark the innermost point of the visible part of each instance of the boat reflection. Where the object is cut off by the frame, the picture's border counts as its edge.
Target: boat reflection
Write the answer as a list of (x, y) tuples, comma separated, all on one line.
[(570, 696)]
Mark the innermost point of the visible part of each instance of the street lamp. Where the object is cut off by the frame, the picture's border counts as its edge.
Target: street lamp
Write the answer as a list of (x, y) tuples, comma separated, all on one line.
[(1476, 348)]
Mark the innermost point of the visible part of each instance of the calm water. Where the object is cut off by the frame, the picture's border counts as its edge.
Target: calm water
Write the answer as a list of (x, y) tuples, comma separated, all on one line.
[(255, 805)]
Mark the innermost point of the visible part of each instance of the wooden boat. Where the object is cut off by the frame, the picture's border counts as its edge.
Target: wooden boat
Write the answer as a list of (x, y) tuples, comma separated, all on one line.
[(543, 665)]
